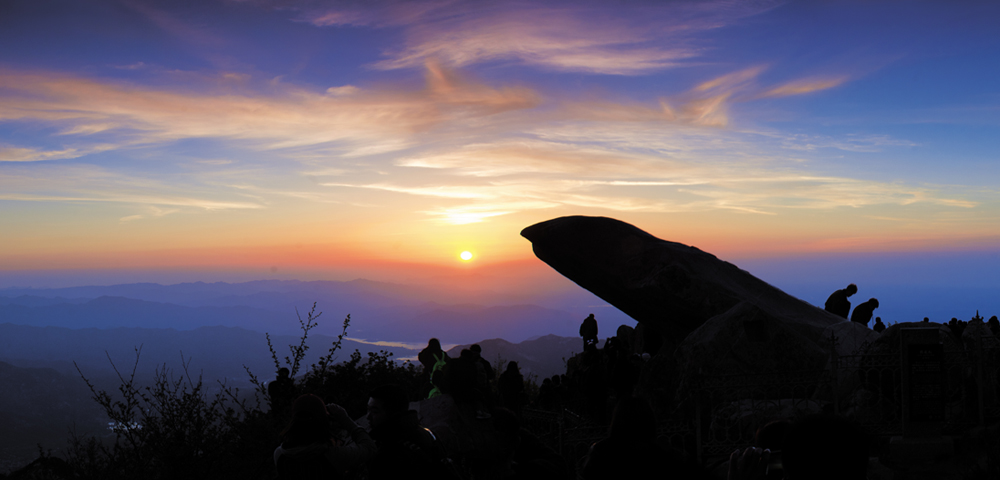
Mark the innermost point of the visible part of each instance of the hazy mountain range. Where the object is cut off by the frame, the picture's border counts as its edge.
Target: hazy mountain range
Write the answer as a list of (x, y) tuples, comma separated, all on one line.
[(379, 311), (219, 328)]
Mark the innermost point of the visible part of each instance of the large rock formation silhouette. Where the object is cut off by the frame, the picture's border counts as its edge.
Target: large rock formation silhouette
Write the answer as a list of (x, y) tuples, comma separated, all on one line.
[(709, 313)]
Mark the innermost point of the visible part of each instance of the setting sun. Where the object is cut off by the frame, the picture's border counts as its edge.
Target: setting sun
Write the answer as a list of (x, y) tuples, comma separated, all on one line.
[(466, 255)]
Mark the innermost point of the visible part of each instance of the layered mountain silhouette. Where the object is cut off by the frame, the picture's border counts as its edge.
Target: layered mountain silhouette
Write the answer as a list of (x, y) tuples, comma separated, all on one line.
[(380, 311)]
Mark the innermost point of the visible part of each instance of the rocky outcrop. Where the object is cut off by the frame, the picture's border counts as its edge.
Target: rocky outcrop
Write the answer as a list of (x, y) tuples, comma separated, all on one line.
[(715, 316), (852, 338)]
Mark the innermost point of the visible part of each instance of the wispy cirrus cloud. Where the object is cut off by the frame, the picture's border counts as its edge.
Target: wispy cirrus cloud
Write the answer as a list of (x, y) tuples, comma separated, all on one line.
[(291, 117), (96, 185), (152, 211), (27, 154), (805, 86), (671, 156), (491, 180), (706, 104), (584, 37)]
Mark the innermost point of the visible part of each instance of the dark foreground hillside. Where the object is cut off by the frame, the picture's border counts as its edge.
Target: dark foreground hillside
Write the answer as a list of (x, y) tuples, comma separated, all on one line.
[(44, 399)]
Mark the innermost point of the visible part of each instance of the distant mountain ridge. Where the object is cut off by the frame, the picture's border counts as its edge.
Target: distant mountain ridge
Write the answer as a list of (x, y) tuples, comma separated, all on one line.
[(43, 392), (112, 312), (39, 406), (222, 352), (544, 356), (381, 311)]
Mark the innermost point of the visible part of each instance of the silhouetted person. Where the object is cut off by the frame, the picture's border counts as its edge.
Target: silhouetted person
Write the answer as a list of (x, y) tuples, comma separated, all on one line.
[(926, 320), (487, 368), (771, 437), (406, 450), (595, 385), (863, 313), (838, 304), (522, 455), (466, 380), (994, 325), (546, 396), (281, 391), (624, 335), (588, 330), (610, 352), (631, 449), (825, 447), (625, 374), (484, 376), (957, 327), (879, 326), (511, 386), (433, 359), (309, 449)]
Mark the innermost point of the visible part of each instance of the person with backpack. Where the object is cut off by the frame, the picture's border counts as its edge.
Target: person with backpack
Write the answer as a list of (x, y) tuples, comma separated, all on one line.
[(434, 360)]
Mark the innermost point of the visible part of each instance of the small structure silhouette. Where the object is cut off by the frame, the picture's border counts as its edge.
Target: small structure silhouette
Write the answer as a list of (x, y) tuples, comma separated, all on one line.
[(588, 330), (863, 313), (838, 304)]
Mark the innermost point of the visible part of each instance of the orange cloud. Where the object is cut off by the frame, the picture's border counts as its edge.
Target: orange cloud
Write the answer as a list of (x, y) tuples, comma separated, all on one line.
[(730, 82), (802, 87), (22, 154), (291, 117)]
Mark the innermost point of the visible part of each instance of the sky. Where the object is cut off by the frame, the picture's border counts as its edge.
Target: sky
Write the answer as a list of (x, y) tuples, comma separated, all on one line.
[(223, 139)]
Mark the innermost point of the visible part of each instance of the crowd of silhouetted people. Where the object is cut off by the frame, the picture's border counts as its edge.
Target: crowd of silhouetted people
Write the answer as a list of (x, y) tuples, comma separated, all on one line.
[(322, 441), (839, 304)]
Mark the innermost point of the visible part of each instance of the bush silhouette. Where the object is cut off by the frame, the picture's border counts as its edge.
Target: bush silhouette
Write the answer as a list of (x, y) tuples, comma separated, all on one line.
[(175, 428)]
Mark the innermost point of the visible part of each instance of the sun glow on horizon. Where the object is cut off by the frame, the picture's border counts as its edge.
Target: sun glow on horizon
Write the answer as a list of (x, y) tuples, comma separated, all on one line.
[(459, 126)]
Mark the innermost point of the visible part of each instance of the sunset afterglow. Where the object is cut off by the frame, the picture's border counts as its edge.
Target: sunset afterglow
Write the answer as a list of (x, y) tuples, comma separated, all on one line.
[(328, 136)]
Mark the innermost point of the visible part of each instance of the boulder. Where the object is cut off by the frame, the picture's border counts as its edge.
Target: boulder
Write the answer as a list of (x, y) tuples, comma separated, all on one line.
[(852, 341), (668, 286), (715, 316), (852, 337), (740, 419), (748, 340)]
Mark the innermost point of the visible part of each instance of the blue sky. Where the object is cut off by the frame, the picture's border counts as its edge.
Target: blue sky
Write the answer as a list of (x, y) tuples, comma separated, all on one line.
[(337, 139)]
